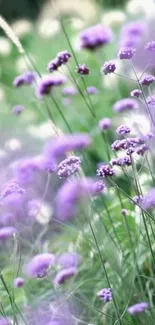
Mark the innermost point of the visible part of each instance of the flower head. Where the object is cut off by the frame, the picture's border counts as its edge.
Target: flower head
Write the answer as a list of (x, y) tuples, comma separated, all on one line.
[(63, 57), (126, 53), (19, 282), (39, 265), (150, 46), (138, 308), (68, 259), (105, 124), (147, 80), (105, 294), (136, 93), (125, 104), (122, 161), (26, 78), (53, 65), (108, 67), (46, 83), (83, 69), (4, 321), (69, 166), (123, 129), (149, 199), (95, 36), (7, 232), (105, 170), (65, 274), (69, 91), (18, 109), (91, 90)]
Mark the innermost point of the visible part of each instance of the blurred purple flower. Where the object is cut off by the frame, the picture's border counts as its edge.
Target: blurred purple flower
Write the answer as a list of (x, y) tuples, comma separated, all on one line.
[(82, 69), (7, 232), (64, 275), (46, 83), (69, 166), (68, 259), (136, 93), (91, 90), (125, 104), (149, 199), (39, 265), (126, 53), (4, 321), (105, 124), (122, 161), (64, 57), (69, 91), (108, 67), (95, 36), (26, 78), (53, 65), (105, 170), (19, 282), (138, 199), (147, 80), (138, 308), (18, 109), (150, 46), (123, 129), (105, 294)]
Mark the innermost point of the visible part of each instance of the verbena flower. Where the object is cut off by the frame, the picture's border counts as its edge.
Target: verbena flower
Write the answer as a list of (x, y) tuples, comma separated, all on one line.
[(125, 104), (69, 166), (98, 187), (46, 84), (7, 232), (150, 46), (64, 275), (53, 65), (123, 129), (27, 78), (138, 308), (136, 93), (134, 28), (64, 56), (82, 69), (12, 187), (138, 199), (126, 53), (142, 149), (147, 80), (61, 58), (92, 90), (125, 212), (68, 259), (95, 36), (39, 265), (105, 170), (105, 294), (122, 161), (19, 282), (69, 91), (105, 124), (149, 199), (18, 109), (108, 67), (59, 146)]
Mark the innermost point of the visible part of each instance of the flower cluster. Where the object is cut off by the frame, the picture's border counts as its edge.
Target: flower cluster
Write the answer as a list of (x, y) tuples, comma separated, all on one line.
[(94, 37), (69, 166), (105, 294), (61, 58)]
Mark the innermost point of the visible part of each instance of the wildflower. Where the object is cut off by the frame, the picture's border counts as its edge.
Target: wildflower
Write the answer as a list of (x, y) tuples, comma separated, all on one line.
[(53, 65), (105, 170), (122, 161), (25, 169), (138, 308), (149, 199), (63, 57), (108, 67), (105, 294), (124, 212), (69, 91), (125, 104), (39, 265), (68, 259), (46, 83), (91, 90), (59, 146), (4, 321), (83, 69), (10, 188), (19, 282), (118, 145), (95, 36), (126, 53), (69, 166), (136, 93), (123, 129), (7, 232), (64, 275), (138, 199), (105, 124), (48, 165), (147, 80), (150, 46), (134, 28), (18, 109), (142, 149), (98, 187), (26, 78)]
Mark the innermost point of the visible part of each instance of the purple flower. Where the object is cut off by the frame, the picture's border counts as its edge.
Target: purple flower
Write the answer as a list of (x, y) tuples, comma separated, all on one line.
[(126, 53), (108, 67), (4, 321), (149, 199), (138, 308), (25, 169), (63, 57), (134, 28), (125, 104), (105, 170), (18, 109), (26, 78), (46, 83), (59, 146), (10, 188), (39, 265), (64, 275), (19, 282), (124, 212), (147, 80), (150, 46), (69, 91), (142, 149), (122, 161), (105, 294), (53, 65), (68, 259), (136, 93), (95, 36), (123, 129), (69, 166), (138, 199), (98, 187), (105, 124), (7, 232), (82, 69), (118, 145), (91, 90)]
